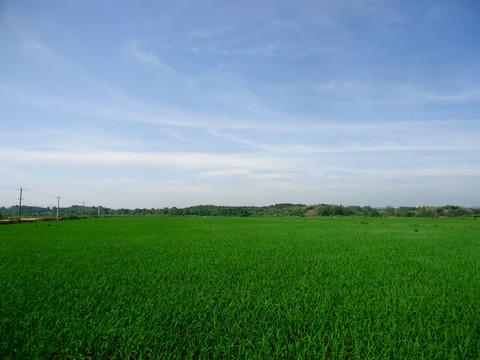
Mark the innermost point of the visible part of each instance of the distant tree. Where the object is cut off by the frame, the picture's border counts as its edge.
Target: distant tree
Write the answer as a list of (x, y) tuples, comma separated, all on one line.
[(389, 211), (366, 210), (405, 211), (374, 213), (324, 210), (338, 210), (353, 211)]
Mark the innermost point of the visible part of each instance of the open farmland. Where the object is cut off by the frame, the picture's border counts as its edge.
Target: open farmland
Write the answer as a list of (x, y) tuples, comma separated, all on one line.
[(300, 288)]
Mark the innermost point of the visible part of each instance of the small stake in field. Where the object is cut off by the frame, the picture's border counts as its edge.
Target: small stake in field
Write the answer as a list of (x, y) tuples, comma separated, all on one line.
[(206, 229)]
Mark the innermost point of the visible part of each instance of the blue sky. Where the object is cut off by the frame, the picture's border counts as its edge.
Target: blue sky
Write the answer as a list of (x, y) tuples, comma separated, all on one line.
[(179, 103)]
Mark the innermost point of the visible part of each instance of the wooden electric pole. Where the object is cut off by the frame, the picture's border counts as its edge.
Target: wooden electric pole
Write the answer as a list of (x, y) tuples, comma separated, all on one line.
[(20, 206), (58, 206)]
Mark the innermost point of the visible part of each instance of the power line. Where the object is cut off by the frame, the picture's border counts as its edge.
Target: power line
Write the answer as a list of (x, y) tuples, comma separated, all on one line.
[(35, 200), (40, 193), (47, 195), (9, 188), (73, 201)]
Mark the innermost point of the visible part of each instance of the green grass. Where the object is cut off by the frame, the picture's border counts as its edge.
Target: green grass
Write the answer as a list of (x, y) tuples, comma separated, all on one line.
[(196, 288)]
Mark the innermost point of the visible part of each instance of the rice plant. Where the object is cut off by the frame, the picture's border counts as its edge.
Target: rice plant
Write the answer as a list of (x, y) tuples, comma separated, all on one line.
[(292, 288)]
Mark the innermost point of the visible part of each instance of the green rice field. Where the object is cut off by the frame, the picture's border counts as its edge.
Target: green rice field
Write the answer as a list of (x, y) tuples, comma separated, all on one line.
[(249, 288)]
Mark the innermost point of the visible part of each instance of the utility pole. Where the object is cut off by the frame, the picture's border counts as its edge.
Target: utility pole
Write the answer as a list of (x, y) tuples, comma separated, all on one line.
[(58, 206), (83, 202), (99, 210), (20, 206)]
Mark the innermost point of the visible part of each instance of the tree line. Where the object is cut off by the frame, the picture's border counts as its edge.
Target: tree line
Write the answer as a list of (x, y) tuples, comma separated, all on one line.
[(286, 209)]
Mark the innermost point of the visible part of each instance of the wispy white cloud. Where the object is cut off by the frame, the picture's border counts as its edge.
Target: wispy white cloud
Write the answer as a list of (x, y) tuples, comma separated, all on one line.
[(236, 139), (424, 171), (260, 165), (229, 172), (261, 50), (109, 181), (144, 57), (177, 136), (200, 33), (459, 97), (35, 47), (419, 144), (441, 132), (182, 160)]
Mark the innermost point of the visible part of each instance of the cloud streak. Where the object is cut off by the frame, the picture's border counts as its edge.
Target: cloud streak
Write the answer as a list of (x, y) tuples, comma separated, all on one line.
[(214, 165), (144, 57), (127, 109), (182, 160)]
